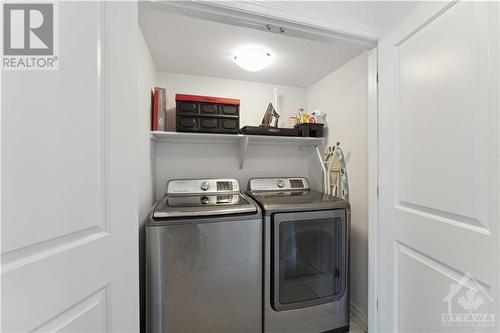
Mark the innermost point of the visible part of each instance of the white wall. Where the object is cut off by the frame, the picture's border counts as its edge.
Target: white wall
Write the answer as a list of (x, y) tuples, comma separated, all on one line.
[(254, 96), (344, 96), (146, 77), (185, 160)]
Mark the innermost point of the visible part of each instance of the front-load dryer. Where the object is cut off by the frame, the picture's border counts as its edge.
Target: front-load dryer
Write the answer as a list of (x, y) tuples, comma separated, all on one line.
[(306, 257)]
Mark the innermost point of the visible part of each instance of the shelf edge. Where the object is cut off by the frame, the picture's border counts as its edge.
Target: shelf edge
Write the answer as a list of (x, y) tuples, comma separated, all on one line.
[(181, 137)]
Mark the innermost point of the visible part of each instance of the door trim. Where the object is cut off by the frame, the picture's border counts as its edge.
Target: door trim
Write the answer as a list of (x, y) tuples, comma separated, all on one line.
[(305, 17), (372, 189), (298, 23)]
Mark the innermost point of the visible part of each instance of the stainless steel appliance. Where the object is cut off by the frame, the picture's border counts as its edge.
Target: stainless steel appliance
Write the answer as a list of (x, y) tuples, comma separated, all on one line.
[(306, 256), (204, 259)]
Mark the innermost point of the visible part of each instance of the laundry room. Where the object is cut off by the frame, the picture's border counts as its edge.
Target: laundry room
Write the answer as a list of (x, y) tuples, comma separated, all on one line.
[(250, 166), (191, 57)]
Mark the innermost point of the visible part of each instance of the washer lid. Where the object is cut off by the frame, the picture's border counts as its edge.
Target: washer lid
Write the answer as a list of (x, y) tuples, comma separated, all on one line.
[(203, 205)]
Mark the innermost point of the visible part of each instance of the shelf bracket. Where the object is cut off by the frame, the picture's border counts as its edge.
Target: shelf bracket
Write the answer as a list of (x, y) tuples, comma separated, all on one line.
[(243, 150)]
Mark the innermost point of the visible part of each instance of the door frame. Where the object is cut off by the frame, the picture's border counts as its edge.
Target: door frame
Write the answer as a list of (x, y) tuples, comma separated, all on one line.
[(304, 24), (373, 145), (252, 14)]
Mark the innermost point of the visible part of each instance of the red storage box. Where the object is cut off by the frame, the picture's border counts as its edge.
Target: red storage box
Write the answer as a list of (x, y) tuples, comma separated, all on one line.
[(207, 114)]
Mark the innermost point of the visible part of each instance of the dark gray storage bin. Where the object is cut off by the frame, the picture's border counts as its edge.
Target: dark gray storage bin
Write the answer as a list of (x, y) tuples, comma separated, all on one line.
[(187, 124), (209, 123), (207, 114), (310, 130), (209, 108), (187, 108), (230, 110), (230, 124)]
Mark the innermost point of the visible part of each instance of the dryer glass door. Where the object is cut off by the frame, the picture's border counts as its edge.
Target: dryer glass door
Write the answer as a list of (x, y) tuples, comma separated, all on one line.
[(310, 253)]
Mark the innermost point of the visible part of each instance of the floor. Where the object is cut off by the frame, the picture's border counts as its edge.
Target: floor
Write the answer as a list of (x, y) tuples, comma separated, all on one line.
[(355, 326)]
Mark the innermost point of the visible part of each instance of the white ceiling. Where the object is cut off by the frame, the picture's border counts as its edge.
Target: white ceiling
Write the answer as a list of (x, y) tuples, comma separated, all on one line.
[(188, 45)]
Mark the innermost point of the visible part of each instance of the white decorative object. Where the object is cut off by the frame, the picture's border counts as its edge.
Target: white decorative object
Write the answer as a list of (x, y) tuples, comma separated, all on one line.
[(320, 116)]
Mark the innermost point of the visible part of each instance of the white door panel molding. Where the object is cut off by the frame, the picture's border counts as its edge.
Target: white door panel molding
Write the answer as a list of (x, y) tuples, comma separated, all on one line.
[(439, 152), (69, 206)]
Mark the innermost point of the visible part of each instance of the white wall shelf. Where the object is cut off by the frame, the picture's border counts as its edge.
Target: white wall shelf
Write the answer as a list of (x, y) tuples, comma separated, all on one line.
[(241, 139)]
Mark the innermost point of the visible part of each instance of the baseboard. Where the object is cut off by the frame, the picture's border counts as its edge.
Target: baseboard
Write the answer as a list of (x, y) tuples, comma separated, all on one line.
[(360, 316)]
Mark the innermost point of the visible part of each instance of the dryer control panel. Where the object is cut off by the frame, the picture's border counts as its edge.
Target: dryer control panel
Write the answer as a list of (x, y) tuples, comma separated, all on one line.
[(278, 184), (202, 186)]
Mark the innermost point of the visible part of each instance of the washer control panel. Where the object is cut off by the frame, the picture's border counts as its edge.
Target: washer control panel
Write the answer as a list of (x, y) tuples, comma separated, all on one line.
[(278, 184), (200, 186)]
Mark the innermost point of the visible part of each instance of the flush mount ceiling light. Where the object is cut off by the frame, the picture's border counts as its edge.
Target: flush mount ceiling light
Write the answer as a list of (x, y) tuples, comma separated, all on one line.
[(252, 58)]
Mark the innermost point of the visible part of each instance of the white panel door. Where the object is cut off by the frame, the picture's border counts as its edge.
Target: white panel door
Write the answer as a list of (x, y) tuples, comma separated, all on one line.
[(439, 253), (69, 207)]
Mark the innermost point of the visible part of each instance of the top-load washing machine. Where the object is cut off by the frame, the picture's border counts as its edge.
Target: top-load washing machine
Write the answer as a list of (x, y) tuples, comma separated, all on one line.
[(204, 259), (306, 256)]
